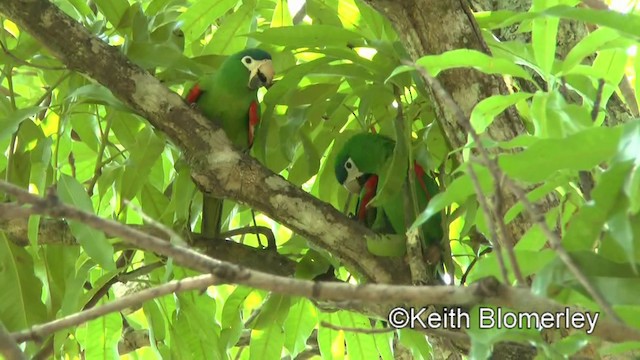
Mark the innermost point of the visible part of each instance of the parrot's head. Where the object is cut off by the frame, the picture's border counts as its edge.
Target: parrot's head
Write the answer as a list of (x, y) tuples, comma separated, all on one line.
[(361, 156), (255, 64)]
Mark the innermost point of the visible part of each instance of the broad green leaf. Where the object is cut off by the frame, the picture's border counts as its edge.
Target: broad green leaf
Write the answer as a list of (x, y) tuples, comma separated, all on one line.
[(228, 39), (9, 123), (231, 321), (201, 15), (543, 37), (589, 45), (102, 336), (391, 182), (452, 59), (157, 325), (195, 317), (529, 263), (417, 343), (331, 342), (587, 224), (281, 15), (150, 55), (628, 24), (112, 10), (611, 64), (308, 36), (144, 154), (274, 310), (486, 110), (581, 151), (95, 94), (629, 150), (300, 322), (359, 346), (266, 343), (93, 241), (457, 192), (20, 289)]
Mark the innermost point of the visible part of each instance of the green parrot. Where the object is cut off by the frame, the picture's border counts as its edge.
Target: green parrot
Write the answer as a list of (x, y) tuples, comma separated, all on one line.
[(359, 164), (230, 98)]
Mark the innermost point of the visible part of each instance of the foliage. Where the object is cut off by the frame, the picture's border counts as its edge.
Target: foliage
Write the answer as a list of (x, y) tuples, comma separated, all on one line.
[(339, 68)]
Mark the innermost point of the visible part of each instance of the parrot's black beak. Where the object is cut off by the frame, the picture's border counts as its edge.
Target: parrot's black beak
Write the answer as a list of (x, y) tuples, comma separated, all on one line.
[(262, 75)]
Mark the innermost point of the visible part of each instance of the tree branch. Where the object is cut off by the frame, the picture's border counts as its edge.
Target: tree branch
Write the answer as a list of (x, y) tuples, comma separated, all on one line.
[(14, 223), (486, 291), (8, 347), (230, 173)]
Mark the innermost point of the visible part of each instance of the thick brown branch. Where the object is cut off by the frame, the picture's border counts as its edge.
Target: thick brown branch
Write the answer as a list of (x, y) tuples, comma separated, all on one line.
[(14, 223), (228, 173)]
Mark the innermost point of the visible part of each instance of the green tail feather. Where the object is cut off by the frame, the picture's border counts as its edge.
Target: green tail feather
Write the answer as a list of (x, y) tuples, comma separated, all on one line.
[(211, 216)]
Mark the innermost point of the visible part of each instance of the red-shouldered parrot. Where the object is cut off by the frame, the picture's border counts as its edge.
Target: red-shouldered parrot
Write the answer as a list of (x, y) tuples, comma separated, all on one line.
[(362, 160), (230, 98)]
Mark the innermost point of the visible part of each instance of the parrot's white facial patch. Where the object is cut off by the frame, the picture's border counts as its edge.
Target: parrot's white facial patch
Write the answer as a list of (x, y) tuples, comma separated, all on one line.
[(353, 173), (261, 72)]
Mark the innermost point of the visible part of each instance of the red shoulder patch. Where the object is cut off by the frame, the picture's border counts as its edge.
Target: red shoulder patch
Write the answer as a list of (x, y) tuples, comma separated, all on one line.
[(254, 120), (420, 176), (194, 94), (370, 188)]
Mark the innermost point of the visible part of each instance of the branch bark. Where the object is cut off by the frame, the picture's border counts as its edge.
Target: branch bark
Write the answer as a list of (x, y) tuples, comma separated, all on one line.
[(14, 223), (384, 297), (229, 173)]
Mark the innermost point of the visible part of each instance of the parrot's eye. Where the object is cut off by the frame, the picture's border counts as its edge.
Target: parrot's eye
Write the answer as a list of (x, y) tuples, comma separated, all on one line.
[(348, 165), (247, 60)]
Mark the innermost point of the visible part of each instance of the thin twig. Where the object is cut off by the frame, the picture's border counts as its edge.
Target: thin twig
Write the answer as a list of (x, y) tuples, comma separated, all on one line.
[(485, 291), (38, 332), (97, 171), (357, 330), (8, 347)]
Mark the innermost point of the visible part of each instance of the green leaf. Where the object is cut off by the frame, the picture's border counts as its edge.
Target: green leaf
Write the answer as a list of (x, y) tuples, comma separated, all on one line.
[(417, 343), (585, 226), (396, 173), (231, 322), (95, 94), (102, 336), (299, 325), (157, 326), (304, 36), (144, 154), (529, 263), (93, 241), (457, 192), (359, 346), (112, 10), (20, 289), (330, 341), (452, 59), (581, 151), (227, 39), (9, 123), (591, 43), (274, 310), (544, 32), (266, 343), (201, 15), (628, 24), (486, 110), (281, 15)]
